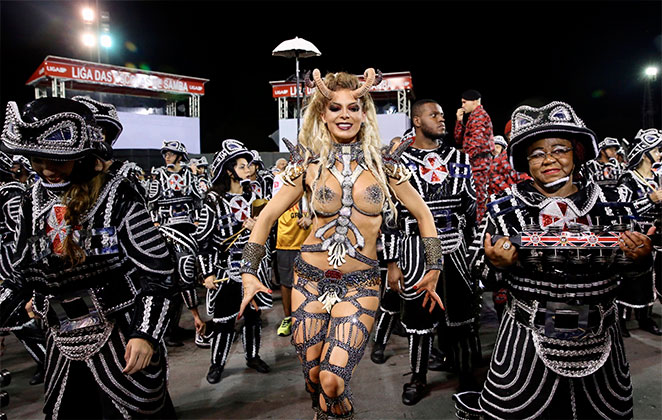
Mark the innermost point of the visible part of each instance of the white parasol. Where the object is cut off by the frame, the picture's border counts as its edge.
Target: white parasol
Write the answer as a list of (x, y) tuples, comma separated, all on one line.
[(297, 48)]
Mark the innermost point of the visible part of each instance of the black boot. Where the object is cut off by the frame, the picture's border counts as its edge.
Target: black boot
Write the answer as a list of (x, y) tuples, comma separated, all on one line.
[(258, 364), (649, 325), (439, 362), (415, 390), (214, 374), (172, 342), (624, 329), (377, 355), (38, 377)]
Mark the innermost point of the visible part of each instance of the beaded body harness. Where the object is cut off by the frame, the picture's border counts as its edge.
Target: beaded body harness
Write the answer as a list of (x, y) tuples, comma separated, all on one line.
[(339, 245)]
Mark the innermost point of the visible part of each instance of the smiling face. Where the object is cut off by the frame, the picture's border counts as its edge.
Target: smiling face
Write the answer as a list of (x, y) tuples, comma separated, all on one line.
[(343, 116), (52, 171), (550, 160)]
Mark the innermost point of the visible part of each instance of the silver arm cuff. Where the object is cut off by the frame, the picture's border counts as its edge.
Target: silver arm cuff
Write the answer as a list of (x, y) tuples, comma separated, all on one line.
[(434, 259), (251, 257)]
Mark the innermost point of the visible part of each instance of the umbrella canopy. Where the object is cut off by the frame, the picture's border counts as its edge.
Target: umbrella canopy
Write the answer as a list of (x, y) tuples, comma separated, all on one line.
[(296, 47)]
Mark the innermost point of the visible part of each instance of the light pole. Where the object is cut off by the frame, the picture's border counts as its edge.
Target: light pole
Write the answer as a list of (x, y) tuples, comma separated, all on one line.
[(96, 37), (648, 111), (88, 38)]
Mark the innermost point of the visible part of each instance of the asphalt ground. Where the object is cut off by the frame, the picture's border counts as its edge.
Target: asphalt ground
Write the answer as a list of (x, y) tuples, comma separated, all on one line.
[(246, 394)]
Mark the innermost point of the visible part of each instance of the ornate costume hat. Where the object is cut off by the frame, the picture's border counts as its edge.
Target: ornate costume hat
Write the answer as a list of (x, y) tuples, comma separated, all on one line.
[(175, 146), (609, 142), (202, 162), (257, 159), (556, 119), (230, 149), (500, 140), (106, 116), (644, 141), (52, 128)]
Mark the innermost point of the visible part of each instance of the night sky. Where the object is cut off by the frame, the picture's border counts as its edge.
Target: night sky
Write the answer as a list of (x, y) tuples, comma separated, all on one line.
[(589, 54)]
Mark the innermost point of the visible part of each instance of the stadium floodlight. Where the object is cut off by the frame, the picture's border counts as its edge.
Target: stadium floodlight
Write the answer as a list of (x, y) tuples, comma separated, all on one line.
[(106, 41), (651, 71), (88, 14), (89, 40)]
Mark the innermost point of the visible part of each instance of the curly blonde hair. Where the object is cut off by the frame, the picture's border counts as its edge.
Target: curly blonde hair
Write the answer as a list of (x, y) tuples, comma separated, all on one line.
[(315, 136)]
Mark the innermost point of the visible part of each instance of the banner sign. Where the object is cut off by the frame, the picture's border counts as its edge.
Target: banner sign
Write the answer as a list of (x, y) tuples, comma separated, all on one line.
[(104, 74), (390, 82)]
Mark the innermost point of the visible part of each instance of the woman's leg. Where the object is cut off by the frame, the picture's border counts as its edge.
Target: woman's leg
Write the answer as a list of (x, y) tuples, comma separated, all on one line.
[(310, 322), (348, 334)]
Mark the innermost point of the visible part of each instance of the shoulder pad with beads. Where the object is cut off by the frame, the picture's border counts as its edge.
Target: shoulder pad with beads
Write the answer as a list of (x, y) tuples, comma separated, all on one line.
[(393, 165), (298, 161)]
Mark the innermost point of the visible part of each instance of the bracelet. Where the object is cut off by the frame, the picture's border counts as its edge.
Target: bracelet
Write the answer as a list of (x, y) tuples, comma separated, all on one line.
[(434, 259), (252, 257)]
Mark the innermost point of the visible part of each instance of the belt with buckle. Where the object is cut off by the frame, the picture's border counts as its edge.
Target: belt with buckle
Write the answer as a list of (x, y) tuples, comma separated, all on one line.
[(561, 320), (75, 311)]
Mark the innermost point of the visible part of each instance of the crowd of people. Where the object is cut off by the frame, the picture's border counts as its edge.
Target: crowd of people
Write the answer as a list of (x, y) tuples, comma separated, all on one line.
[(98, 258)]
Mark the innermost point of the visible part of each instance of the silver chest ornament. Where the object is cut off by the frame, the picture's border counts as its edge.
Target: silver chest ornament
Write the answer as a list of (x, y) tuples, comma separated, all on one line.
[(338, 245)]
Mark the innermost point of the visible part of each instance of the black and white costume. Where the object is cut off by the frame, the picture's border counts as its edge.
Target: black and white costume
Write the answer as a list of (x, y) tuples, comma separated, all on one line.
[(28, 331), (263, 185), (635, 187), (559, 352), (442, 177), (222, 238), (202, 179), (173, 196), (24, 166), (605, 173), (119, 292)]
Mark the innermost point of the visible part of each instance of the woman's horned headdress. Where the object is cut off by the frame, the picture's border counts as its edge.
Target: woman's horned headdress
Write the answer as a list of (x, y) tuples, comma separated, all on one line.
[(372, 78)]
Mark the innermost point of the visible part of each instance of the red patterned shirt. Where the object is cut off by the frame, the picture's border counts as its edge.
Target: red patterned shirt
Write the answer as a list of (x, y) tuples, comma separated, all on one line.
[(502, 175), (476, 136)]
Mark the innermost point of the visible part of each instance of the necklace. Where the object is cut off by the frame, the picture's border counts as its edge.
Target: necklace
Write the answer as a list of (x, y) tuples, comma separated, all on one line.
[(353, 150)]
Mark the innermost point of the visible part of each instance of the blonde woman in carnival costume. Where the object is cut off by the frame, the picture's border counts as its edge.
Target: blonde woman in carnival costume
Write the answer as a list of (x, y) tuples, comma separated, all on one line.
[(351, 183)]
